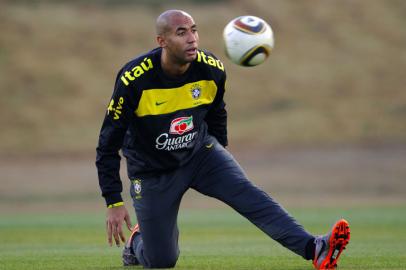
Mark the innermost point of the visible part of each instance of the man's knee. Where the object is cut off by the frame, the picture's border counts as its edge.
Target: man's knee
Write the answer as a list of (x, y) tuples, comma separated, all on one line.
[(164, 260)]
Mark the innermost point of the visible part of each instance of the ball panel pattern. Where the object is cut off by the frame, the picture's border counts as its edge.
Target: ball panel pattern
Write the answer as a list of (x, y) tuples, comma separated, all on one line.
[(246, 59), (249, 25)]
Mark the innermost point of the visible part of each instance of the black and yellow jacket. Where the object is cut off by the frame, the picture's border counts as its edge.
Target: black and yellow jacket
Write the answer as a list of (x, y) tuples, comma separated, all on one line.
[(159, 122)]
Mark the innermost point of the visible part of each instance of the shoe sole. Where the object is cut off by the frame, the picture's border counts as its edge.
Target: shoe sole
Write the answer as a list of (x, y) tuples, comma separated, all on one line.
[(340, 237)]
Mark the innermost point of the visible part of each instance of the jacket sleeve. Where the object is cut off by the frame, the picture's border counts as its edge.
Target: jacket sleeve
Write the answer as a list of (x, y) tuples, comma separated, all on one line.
[(216, 117), (113, 130)]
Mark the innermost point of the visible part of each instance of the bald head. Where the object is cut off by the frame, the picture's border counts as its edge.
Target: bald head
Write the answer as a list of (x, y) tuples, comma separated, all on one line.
[(166, 20), (177, 36)]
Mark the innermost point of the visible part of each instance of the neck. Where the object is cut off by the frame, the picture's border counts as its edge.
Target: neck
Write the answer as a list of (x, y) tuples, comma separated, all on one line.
[(172, 67)]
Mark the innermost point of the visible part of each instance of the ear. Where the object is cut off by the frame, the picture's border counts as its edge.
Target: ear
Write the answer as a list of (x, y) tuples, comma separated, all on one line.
[(161, 41)]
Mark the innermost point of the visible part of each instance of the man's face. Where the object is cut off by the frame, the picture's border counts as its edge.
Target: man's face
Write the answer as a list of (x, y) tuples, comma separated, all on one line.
[(181, 39)]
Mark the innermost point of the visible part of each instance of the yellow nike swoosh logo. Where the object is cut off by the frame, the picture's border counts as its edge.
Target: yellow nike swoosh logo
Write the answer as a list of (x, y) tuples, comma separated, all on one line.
[(209, 146)]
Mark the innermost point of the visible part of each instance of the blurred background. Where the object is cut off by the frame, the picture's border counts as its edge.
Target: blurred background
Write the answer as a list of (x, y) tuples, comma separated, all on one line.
[(322, 122)]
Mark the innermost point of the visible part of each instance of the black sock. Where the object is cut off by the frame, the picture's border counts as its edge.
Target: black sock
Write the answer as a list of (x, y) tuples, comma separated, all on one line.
[(310, 249)]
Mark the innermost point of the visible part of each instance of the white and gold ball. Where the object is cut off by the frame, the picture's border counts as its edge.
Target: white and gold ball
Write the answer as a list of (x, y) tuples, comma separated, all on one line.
[(248, 40)]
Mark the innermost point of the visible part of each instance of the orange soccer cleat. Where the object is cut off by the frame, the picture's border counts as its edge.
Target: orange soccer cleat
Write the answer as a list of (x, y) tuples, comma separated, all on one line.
[(330, 246)]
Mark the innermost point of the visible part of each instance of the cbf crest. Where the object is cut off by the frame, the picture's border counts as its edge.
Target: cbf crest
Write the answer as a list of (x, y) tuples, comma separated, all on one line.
[(137, 188), (196, 91)]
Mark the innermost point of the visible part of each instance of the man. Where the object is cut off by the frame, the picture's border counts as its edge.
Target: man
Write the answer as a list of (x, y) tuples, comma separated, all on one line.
[(168, 116)]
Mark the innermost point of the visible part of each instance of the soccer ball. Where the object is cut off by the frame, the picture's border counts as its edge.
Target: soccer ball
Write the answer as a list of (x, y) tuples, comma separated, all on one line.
[(248, 40)]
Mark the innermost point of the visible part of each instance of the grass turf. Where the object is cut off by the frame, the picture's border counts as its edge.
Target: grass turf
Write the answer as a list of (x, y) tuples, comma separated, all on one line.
[(209, 239)]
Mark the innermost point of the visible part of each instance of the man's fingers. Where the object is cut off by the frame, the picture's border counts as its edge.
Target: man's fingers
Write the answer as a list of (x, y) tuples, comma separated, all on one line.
[(128, 222), (115, 217), (115, 234), (109, 232), (122, 236)]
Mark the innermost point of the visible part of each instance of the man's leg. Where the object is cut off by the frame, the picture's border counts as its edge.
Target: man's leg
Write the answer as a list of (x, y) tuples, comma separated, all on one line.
[(220, 176), (156, 202)]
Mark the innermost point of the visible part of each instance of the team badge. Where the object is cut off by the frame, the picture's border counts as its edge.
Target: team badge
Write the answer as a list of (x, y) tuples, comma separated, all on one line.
[(196, 91), (137, 188)]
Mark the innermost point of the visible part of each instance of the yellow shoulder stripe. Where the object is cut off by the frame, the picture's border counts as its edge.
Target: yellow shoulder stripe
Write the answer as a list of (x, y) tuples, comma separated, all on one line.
[(168, 100)]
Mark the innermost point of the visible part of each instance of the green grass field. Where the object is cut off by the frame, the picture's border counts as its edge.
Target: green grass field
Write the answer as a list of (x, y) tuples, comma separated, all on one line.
[(209, 239)]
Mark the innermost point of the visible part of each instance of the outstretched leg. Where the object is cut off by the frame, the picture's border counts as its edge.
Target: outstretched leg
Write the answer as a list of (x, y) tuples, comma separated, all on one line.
[(221, 177)]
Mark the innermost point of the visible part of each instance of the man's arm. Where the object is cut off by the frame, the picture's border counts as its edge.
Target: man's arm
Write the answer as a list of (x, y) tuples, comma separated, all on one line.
[(112, 133), (216, 118), (111, 139)]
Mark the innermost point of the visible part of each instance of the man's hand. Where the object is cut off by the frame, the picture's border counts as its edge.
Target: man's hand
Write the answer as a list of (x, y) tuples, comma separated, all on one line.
[(114, 222)]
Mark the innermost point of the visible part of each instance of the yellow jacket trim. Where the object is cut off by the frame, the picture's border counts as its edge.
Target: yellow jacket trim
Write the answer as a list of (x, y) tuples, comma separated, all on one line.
[(163, 101), (115, 205)]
